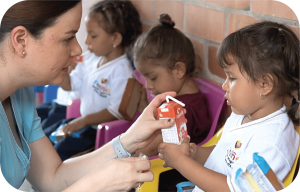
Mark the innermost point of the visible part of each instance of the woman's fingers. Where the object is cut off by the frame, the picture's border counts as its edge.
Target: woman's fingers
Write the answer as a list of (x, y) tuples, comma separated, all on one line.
[(156, 102)]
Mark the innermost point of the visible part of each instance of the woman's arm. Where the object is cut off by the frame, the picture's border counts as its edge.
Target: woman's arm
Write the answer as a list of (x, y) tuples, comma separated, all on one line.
[(48, 173)]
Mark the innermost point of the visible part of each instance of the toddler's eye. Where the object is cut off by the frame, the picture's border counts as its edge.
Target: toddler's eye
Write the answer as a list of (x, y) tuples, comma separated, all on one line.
[(153, 79), (93, 37), (232, 79)]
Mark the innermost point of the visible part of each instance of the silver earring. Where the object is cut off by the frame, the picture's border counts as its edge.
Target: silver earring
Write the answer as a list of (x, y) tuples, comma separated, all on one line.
[(262, 96), (24, 53), (114, 46)]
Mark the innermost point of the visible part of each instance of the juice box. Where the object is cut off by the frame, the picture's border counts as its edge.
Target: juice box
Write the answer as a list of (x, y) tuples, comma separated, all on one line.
[(173, 109)]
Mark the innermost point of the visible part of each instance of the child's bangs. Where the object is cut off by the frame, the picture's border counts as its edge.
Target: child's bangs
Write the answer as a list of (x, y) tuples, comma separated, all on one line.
[(226, 52)]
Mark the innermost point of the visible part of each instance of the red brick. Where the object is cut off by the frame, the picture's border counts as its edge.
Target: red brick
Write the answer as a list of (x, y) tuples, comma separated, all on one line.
[(199, 51), (144, 8), (213, 64), (172, 8), (205, 22), (237, 21), (273, 8), (236, 4)]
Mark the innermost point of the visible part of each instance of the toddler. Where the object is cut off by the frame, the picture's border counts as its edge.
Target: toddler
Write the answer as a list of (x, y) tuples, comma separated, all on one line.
[(261, 62), (166, 58)]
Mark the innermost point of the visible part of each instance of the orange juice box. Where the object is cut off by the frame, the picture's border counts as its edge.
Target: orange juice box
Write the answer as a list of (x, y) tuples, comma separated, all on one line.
[(173, 109)]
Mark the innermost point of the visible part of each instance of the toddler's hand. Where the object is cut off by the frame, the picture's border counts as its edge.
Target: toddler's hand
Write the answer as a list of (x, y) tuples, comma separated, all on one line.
[(172, 153), (193, 150), (73, 126)]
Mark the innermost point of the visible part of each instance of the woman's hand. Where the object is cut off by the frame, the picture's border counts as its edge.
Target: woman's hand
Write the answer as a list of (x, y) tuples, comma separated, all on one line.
[(172, 153), (117, 175), (73, 126), (147, 126)]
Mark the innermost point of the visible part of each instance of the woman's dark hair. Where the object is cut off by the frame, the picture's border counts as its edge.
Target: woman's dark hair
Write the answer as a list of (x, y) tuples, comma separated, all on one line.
[(118, 16), (165, 45), (266, 48), (34, 15)]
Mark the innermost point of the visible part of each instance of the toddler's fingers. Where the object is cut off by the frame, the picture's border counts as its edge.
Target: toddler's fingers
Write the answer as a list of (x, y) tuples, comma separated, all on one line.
[(161, 156)]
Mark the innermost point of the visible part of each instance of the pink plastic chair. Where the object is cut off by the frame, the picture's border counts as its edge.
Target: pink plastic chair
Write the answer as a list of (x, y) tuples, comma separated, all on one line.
[(73, 110), (109, 130)]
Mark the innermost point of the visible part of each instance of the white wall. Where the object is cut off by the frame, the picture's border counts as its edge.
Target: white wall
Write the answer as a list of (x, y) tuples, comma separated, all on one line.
[(81, 34)]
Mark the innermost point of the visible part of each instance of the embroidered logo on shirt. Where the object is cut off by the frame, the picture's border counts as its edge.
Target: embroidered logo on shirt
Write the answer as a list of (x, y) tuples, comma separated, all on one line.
[(101, 90), (103, 81), (238, 145), (232, 153)]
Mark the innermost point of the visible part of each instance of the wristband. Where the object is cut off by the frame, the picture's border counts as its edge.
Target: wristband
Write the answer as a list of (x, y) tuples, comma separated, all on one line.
[(119, 149)]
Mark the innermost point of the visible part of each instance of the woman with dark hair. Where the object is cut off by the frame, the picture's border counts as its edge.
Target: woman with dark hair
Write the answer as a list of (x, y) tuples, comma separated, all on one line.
[(37, 45)]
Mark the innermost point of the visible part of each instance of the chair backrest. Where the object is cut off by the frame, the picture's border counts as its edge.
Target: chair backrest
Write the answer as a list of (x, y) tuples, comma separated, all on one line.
[(50, 93), (290, 176), (73, 110), (214, 96)]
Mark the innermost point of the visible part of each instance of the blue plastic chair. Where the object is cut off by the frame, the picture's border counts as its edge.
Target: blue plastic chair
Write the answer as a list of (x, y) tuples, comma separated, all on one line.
[(50, 93)]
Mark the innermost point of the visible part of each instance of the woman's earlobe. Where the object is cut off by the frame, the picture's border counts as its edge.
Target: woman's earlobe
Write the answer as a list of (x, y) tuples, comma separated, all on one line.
[(18, 40)]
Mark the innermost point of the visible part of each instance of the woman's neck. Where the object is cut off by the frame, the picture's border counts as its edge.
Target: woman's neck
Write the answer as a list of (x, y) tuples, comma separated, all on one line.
[(188, 87)]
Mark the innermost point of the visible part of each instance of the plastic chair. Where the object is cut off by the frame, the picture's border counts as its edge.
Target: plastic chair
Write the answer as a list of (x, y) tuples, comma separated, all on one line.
[(50, 93), (73, 110), (109, 130), (289, 178)]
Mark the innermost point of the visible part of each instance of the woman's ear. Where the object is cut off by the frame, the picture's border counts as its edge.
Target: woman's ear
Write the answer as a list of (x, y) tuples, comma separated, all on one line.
[(18, 38), (179, 70), (117, 39), (266, 83)]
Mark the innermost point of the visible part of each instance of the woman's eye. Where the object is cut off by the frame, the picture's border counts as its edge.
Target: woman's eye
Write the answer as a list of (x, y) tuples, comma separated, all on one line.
[(69, 39)]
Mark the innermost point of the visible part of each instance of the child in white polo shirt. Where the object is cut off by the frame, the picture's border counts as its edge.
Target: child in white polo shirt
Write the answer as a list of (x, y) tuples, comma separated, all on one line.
[(261, 62), (101, 78)]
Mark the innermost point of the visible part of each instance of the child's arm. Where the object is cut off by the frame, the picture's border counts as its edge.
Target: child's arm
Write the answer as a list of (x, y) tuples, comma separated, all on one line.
[(90, 119), (200, 154), (151, 149), (177, 157)]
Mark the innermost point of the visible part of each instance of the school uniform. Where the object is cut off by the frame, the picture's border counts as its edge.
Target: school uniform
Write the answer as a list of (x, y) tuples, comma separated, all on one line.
[(273, 137), (100, 88)]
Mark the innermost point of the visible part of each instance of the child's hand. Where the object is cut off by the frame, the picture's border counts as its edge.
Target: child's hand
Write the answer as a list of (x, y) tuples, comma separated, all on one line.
[(173, 153), (73, 126), (143, 101), (193, 150)]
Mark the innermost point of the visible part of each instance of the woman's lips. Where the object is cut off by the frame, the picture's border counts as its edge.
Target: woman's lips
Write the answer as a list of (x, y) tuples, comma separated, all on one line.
[(66, 69)]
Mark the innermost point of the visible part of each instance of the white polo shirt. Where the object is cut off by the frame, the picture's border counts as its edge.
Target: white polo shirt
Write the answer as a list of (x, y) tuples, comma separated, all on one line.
[(273, 137), (101, 88)]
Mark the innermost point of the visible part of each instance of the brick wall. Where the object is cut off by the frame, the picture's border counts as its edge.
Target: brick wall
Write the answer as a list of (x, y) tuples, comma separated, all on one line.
[(208, 22)]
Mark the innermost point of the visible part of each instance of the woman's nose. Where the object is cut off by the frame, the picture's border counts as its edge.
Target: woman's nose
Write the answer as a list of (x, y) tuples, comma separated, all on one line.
[(77, 50)]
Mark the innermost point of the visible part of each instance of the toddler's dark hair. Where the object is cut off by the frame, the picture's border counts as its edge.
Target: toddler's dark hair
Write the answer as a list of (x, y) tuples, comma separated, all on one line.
[(118, 16), (266, 48), (165, 45)]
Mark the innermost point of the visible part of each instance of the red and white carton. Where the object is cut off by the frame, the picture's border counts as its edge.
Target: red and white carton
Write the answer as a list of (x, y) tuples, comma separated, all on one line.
[(173, 109)]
